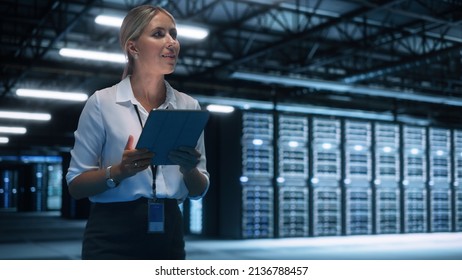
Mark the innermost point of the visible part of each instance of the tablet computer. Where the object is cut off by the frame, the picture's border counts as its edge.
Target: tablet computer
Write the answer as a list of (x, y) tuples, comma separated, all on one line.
[(166, 130)]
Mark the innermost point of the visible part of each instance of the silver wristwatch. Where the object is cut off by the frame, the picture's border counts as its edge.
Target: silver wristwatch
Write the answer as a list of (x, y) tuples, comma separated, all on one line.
[(110, 182)]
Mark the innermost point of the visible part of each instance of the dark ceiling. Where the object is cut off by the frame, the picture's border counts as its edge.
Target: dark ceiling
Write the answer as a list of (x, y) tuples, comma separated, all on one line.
[(411, 48)]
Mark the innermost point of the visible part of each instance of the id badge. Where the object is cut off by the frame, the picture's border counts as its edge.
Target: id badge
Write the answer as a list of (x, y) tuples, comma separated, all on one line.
[(155, 217)]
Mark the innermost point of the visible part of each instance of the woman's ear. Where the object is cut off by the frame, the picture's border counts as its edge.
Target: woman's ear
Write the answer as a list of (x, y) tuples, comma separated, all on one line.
[(131, 48)]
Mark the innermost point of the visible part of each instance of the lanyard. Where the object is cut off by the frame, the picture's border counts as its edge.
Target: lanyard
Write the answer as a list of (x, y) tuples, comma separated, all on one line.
[(153, 167)]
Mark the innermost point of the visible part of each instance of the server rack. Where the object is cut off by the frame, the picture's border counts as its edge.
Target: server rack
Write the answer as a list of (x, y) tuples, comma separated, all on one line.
[(358, 176), (440, 179), (257, 175), (8, 189), (195, 216), (387, 175), (414, 179), (326, 137), (39, 186), (292, 176), (457, 155), (330, 176), (54, 189)]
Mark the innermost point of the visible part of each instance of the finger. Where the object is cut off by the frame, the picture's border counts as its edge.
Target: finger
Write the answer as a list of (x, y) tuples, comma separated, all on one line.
[(185, 165), (142, 156), (137, 166), (189, 150), (183, 159), (129, 145), (183, 155), (138, 154), (144, 163), (131, 156)]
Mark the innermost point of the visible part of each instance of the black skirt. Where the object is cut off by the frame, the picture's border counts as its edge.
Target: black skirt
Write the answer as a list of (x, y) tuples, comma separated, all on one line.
[(119, 231)]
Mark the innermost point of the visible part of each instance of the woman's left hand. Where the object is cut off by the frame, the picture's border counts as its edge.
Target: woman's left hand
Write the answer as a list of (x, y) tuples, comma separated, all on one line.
[(186, 157)]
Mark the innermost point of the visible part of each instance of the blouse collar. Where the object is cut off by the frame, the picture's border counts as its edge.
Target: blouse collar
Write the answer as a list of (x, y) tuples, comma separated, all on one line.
[(125, 94)]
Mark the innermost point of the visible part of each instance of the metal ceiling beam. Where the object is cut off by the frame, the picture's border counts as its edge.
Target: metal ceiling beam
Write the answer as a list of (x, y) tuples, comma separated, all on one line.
[(421, 59), (380, 37), (58, 37), (408, 13), (288, 40), (218, 31), (414, 62)]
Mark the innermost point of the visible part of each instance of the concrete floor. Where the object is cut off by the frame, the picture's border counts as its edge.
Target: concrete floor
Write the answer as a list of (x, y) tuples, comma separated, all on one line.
[(46, 236)]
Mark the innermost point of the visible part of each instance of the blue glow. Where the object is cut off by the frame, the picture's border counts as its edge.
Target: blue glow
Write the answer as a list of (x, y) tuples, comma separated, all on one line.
[(257, 142), (326, 146), (358, 148), (387, 149), (293, 144)]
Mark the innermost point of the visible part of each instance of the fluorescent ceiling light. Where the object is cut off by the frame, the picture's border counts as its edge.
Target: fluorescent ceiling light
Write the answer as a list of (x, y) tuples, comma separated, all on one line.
[(220, 108), (343, 87), (4, 140), (184, 30), (192, 32), (109, 21), (13, 129), (93, 55), (25, 116), (48, 94)]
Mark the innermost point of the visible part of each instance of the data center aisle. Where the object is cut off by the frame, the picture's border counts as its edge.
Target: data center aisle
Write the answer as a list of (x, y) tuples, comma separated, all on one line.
[(46, 236), (438, 246)]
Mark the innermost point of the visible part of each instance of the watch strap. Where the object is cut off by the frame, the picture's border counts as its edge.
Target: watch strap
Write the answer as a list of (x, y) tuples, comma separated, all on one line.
[(109, 178)]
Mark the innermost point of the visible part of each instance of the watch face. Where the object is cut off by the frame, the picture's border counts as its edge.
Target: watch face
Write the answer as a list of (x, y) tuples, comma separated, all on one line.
[(111, 183)]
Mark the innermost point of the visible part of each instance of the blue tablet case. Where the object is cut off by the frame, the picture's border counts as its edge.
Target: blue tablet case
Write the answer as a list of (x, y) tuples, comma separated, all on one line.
[(166, 130)]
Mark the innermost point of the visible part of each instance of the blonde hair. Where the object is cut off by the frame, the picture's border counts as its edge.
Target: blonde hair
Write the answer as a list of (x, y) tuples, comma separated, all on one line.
[(132, 27)]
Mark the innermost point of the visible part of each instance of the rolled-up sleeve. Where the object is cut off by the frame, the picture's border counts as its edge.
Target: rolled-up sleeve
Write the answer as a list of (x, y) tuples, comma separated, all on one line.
[(89, 141)]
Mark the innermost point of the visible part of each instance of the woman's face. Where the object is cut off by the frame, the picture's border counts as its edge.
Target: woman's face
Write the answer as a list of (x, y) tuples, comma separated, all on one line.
[(158, 47)]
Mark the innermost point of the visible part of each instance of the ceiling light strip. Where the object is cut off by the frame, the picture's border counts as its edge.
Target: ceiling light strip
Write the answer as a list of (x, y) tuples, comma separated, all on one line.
[(4, 140), (192, 32), (48, 94), (13, 129), (220, 108), (25, 116), (109, 21), (93, 55), (184, 30)]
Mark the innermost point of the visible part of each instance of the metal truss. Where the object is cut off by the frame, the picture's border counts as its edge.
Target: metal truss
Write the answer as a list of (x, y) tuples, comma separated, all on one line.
[(404, 45)]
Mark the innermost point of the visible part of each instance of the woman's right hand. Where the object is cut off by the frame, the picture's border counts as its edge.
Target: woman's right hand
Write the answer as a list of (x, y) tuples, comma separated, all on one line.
[(133, 161)]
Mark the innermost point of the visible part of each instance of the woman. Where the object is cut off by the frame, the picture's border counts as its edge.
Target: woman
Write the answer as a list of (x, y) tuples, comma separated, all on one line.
[(116, 177)]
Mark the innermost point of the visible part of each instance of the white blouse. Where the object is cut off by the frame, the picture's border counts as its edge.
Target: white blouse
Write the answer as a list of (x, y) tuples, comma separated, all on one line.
[(106, 121)]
